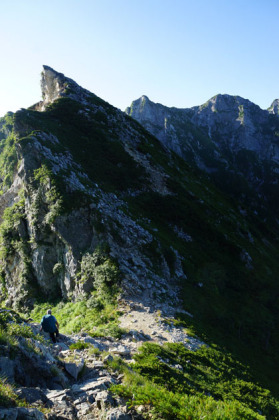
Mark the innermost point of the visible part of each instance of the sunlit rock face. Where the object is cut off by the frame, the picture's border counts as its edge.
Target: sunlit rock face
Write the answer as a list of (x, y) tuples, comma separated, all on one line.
[(156, 118), (53, 85), (274, 108)]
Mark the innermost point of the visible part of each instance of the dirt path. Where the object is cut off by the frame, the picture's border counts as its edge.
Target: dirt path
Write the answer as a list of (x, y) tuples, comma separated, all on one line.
[(145, 324)]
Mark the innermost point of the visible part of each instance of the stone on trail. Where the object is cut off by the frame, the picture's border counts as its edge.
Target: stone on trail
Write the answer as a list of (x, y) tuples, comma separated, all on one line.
[(117, 414), (121, 350), (74, 369), (32, 395), (108, 358), (61, 347), (103, 400)]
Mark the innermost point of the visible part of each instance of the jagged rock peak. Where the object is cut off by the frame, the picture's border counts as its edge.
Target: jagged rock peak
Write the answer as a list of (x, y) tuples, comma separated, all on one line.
[(274, 107), (225, 102), (137, 103), (144, 98), (145, 107), (55, 85)]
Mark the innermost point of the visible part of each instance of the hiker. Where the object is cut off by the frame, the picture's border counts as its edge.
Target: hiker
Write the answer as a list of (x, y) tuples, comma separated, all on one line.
[(49, 324)]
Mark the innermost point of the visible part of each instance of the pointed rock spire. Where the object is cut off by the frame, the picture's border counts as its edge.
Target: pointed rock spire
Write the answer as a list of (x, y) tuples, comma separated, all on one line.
[(53, 85), (274, 107)]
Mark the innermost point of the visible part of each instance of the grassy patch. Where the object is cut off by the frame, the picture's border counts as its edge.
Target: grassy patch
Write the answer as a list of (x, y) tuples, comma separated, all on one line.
[(8, 397), (74, 317), (79, 345), (173, 382)]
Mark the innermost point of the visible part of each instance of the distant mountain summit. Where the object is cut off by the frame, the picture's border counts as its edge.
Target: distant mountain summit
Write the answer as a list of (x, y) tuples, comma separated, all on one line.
[(230, 138), (231, 122)]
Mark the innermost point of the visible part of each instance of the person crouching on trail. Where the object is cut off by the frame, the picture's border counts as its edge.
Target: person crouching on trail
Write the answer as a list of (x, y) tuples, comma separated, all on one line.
[(49, 324)]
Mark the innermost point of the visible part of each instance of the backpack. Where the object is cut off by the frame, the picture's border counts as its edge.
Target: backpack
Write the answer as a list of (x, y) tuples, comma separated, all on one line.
[(48, 323)]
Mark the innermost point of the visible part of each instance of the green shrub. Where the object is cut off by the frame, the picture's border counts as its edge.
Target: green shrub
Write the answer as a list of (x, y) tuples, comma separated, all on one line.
[(100, 274), (20, 330), (8, 161), (79, 345), (9, 234), (94, 351), (46, 199)]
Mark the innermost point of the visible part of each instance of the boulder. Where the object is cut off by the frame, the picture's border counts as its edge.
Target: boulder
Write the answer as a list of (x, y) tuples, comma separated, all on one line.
[(32, 395), (108, 358), (74, 369), (121, 350), (61, 347)]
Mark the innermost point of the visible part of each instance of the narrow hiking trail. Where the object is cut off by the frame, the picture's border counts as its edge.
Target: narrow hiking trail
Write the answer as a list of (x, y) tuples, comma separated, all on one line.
[(92, 399), (81, 379)]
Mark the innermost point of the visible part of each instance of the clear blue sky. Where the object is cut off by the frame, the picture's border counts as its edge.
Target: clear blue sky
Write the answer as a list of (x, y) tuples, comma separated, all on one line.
[(177, 52)]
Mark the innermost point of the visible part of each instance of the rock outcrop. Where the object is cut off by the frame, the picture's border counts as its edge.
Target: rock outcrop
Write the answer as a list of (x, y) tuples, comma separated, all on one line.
[(231, 123), (274, 108), (55, 85)]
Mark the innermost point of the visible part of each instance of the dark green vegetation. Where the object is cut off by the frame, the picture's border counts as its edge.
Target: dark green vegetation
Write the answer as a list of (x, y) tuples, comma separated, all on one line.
[(233, 257), (176, 383), (230, 259), (86, 135), (96, 314)]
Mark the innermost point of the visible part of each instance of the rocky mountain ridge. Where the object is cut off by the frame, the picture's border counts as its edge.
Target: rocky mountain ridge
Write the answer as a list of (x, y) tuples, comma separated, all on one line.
[(120, 235), (231, 139), (233, 115), (62, 245)]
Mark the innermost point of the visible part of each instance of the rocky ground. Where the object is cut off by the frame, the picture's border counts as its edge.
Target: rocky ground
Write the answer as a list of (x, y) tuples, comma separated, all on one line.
[(81, 388), (145, 323)]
